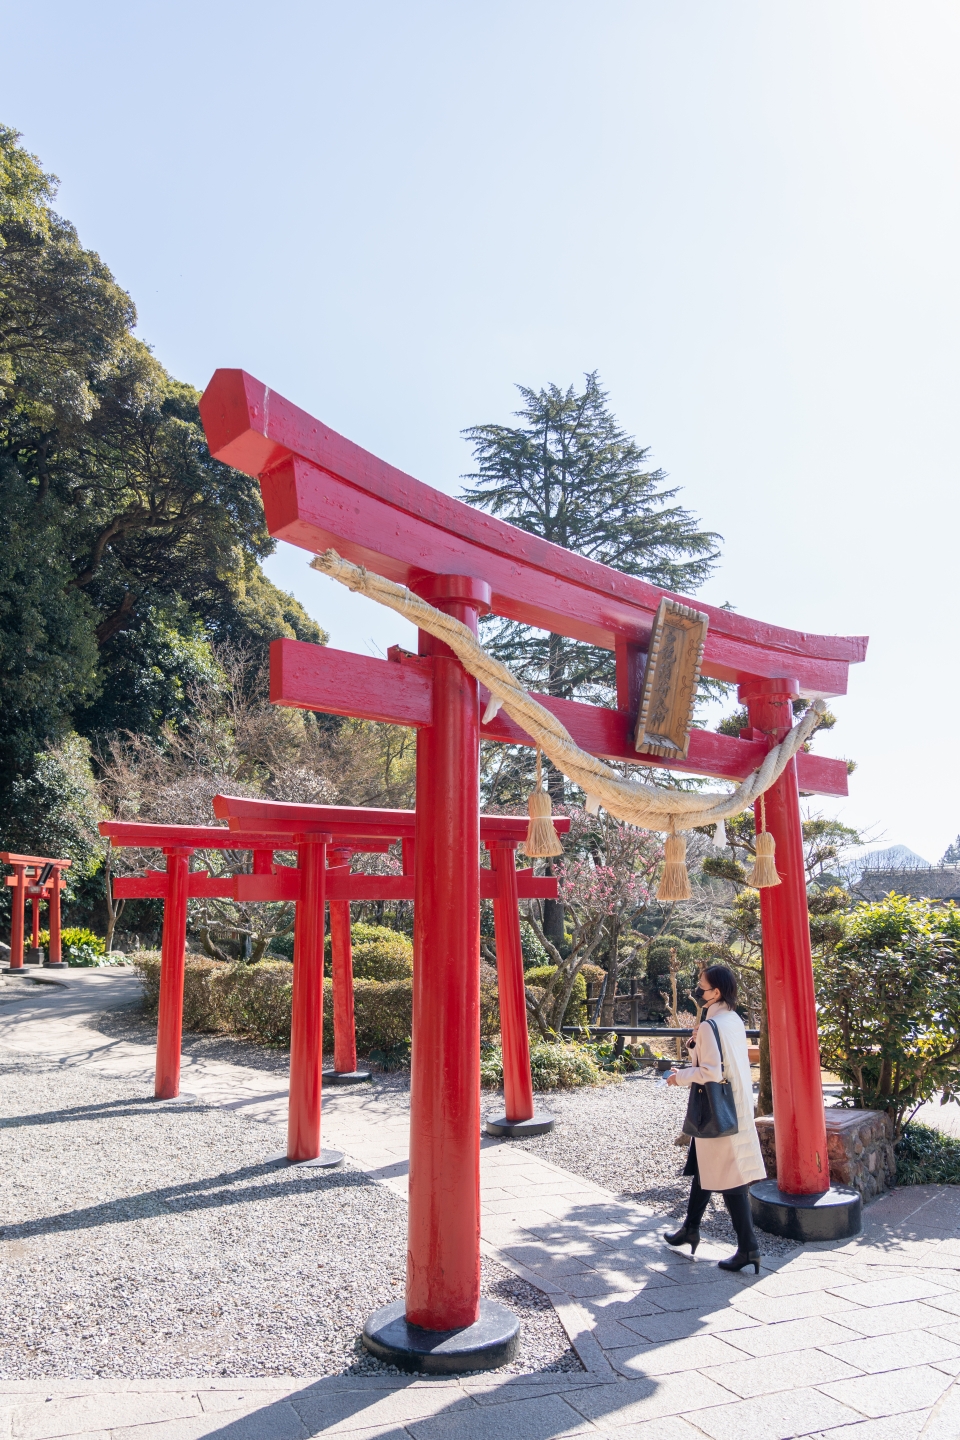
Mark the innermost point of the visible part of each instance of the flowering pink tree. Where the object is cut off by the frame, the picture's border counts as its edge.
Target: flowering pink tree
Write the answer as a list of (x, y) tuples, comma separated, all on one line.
[(606, 881)]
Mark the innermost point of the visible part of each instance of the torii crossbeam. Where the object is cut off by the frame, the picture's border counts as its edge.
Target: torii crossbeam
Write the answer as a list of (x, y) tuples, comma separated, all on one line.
[(322, 491)]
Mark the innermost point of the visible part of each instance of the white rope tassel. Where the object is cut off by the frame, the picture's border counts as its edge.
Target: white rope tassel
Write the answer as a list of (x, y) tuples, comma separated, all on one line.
[(592, 805), (492, 710), (652, 807), (720, 836)]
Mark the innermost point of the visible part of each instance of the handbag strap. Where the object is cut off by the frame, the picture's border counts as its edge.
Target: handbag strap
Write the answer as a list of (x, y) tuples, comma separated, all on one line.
[(716, 1032)]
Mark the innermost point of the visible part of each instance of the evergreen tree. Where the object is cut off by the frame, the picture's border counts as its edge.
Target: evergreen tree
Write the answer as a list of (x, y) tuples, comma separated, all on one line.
[(570, 474), (951, 856)]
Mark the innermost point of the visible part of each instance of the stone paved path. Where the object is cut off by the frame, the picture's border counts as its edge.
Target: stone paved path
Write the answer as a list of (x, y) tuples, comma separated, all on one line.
[(856, 1341)]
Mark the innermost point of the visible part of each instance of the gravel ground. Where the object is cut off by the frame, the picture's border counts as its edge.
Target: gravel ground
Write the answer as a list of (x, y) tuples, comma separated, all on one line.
[(619, 1135), (142, 1241)]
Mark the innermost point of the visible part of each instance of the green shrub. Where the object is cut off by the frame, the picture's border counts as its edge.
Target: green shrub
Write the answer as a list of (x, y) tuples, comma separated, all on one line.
[(78, 945), (927, 1157), (888, 996), (378, 953), (552, 1066)]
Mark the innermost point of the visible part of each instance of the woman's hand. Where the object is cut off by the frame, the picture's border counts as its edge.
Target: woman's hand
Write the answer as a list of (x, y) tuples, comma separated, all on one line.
[(672, 1077)]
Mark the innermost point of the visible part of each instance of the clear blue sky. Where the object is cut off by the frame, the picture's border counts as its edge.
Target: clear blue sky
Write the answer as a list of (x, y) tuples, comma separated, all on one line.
[(744, 215)]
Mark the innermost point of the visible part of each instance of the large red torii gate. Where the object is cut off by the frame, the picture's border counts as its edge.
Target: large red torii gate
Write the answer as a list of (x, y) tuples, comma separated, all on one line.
[(322, 491)]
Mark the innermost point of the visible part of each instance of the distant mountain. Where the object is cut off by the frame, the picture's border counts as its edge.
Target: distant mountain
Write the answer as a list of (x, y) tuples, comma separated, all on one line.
[(894, 857)]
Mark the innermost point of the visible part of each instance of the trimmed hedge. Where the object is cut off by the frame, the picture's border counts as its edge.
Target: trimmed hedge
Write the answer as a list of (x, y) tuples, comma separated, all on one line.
[(378, 953), (254, 1001)]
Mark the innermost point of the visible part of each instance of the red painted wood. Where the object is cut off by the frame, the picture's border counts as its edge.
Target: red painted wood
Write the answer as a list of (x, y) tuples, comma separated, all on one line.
[(306, 1026), (315, 677), (341, 956), (153, 886), (17, 918), (35, 929), (514, 1040), (351, 823), (800, 1128), (318, 485), (443, 1252), (55, 947), (131, 833), (173, 950), (312, 509), (9, 858)]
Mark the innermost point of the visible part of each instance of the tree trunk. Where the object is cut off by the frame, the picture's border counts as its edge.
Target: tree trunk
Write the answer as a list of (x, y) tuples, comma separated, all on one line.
[(608, 1011)]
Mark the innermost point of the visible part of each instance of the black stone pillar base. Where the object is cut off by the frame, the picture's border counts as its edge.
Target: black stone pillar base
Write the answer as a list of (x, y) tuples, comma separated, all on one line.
[(490, 1342), (184, 1098), (55, 965), (540, 1123), (16, 970), (326, 1160), (34, 956), (345, 1077), (834, 1214)]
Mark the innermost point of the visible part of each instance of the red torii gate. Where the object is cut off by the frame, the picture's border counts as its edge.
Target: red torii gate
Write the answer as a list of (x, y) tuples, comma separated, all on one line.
[(38, 878), (322, 491), (325, 838), (502, 883)]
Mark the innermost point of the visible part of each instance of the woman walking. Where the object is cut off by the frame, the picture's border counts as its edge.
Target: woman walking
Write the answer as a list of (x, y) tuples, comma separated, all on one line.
[(729, 1164)]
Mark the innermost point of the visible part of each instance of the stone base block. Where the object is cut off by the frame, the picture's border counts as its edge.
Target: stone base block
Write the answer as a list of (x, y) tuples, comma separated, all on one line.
[(540, 1123), (490, 1342), (860, 1150)]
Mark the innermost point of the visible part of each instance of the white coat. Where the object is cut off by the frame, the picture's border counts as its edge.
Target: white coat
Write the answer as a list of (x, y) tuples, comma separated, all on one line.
[(736, 1159)]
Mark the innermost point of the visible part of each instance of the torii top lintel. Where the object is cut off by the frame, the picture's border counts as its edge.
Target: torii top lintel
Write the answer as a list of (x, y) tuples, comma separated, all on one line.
[(321, 491)]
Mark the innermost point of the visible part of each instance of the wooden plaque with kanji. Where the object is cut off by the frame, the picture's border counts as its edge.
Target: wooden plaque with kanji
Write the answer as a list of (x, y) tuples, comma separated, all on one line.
[(670, 680)]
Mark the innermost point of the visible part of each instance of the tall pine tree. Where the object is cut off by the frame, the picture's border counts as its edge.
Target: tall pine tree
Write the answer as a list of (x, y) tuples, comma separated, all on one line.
[(569, 473)]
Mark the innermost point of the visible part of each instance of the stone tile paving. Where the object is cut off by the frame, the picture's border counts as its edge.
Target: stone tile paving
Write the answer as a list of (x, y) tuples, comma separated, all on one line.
[(857, 1341)]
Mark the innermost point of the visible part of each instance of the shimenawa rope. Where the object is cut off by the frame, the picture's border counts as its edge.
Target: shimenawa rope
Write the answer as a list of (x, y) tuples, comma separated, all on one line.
[(651, 807)]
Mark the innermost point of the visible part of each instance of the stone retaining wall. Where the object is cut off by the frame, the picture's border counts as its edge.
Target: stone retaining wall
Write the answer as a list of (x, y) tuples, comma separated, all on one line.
[(859, 1149)]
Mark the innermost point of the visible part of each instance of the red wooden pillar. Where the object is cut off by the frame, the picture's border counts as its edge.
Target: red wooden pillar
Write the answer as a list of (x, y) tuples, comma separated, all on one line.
[(173, 949), (443, 1254), (515, 1042), (18, 901), (35, 930), (306, 1030), (341, 957), (799, 1125), (55, 947)]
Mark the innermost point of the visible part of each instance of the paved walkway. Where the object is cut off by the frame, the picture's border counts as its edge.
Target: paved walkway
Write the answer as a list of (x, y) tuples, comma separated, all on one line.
[(858, 1341)]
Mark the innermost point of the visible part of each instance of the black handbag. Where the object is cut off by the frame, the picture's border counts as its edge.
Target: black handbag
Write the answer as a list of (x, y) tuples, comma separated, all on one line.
[(711, 1111)]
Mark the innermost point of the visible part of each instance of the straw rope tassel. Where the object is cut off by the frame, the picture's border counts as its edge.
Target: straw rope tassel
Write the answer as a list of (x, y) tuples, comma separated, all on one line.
[(674, 882), (764, 871), (542, 839)]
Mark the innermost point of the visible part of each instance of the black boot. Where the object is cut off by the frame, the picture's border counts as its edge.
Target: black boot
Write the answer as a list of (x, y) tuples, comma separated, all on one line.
[(689, 1234), (748, 1248)]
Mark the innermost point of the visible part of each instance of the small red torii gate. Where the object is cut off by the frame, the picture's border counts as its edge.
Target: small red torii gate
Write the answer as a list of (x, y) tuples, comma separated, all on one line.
[(37, 878), (325, 838), (321, 491), (503, 883)]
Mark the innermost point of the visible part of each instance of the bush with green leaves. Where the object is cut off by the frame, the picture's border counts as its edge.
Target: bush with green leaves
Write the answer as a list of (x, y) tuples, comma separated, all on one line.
[(79, 946), (539, 977), (379, 953), (254, 1001), (553, 1066), (927, 1157), (888, 995)]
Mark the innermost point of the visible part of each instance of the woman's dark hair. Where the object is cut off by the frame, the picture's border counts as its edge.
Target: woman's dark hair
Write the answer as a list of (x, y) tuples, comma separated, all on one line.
[(724, 980)]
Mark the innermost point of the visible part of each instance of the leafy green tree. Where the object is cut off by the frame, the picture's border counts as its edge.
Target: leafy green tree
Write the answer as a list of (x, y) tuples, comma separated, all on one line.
[(889, 999), (951, 856), (571, 475), (128, 550)]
